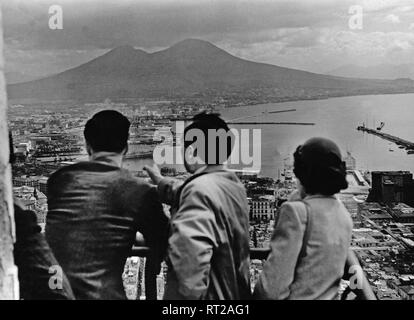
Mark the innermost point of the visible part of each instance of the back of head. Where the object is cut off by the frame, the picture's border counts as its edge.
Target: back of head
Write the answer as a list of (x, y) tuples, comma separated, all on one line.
[(218, 140), (107, 130), (319, 167)]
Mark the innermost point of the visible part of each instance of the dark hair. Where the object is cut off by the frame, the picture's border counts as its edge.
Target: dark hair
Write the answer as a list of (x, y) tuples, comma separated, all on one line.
[(319, 167), (107, 131), (211, 121)]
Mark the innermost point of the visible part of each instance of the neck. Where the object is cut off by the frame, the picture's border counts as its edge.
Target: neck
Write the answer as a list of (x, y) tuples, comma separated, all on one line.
[(105, 156), (210, 168)]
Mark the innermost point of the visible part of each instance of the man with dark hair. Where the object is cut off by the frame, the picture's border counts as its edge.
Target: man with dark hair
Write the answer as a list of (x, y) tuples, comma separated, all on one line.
[(107, 131), (208, 247), (96, 209)]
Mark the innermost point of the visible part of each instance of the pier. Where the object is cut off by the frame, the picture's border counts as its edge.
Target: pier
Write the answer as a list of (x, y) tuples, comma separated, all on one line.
[(408, 145), (274, 122)]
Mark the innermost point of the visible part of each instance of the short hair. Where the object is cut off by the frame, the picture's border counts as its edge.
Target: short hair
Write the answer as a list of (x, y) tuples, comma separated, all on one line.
[(211, 121), (319, 167), (107, 130)]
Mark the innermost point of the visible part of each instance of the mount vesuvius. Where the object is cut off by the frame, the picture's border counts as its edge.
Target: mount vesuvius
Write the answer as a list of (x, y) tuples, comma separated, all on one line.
[(188, 68)]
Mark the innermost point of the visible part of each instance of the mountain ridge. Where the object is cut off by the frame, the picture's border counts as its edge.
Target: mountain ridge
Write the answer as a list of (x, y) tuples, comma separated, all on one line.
[(187, 68)]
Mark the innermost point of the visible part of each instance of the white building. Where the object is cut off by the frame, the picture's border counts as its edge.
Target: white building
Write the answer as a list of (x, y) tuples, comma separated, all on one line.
[(350, 161), (262, 208)]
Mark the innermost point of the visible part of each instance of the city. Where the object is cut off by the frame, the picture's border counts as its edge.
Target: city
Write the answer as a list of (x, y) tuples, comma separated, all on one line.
[(316, 98), (381, 203)]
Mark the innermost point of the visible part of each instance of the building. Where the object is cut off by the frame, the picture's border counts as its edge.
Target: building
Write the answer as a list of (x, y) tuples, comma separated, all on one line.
[(130, 277), (262, 208), (38, 182), (374, 211), (402, 213), (367, 238), (406, 292), (392, 187), (350, 161), (32, 199), (43, 185), (25, 181)]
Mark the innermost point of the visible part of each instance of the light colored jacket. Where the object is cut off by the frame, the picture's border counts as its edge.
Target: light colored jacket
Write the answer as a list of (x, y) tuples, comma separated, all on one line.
[(309, 247), (208, 251)]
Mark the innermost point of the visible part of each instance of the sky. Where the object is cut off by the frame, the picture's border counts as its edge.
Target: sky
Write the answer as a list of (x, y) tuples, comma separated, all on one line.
[(313, 35)]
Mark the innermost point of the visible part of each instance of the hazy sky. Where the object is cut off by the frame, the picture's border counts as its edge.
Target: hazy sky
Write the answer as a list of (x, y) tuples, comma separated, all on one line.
[(308, 34)]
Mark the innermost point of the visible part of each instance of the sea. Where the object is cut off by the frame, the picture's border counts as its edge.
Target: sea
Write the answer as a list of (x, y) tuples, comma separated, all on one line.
[(333, 118)]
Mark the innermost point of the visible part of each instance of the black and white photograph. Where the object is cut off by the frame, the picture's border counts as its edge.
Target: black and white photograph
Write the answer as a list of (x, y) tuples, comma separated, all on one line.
[(229, 151)]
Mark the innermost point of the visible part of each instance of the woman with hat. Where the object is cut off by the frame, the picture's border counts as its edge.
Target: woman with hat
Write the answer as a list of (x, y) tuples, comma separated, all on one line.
[(310, 242)]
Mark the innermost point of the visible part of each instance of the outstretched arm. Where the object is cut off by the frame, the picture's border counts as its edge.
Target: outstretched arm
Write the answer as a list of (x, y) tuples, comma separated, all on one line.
[(167, 187)]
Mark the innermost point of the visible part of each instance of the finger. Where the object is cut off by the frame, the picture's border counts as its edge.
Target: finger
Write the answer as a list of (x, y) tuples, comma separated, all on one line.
[(148, 169)]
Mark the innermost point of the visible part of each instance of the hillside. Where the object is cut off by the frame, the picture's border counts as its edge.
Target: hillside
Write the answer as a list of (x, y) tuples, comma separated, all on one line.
[(188, 68)]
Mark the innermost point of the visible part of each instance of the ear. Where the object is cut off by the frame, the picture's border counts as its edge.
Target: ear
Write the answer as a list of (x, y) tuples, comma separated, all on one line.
[(189, 154)]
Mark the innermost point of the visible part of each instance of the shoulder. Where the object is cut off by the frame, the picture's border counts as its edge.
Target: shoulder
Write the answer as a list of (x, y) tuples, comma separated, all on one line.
[(127, 182), (294, 211), (64, 172), (212, 182), (296, 207), (346, 216), (201, 187), (83, 166)]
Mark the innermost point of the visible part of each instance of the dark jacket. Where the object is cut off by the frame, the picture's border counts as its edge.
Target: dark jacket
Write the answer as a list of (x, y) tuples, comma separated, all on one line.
[(95, 210), (39, 275), (208, 252)]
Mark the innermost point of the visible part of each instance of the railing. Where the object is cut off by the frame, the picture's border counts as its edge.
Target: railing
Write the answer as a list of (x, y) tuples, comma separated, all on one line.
[(364, 292)]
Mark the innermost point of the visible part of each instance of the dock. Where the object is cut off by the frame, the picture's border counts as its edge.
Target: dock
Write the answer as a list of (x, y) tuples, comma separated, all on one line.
[(273, 122), (408, 145)]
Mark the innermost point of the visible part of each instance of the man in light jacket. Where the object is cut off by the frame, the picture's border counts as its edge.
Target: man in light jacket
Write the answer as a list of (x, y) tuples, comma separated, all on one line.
[(208, 248)]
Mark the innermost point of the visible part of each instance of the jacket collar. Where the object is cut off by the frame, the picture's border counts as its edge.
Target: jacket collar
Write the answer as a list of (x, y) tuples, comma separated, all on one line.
[(111, 158), (313, 196), (211, 168)]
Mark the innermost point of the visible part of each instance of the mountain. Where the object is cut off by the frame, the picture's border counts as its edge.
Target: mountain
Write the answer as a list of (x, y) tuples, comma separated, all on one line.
[(381, 71), (16, 77), (188, 68)]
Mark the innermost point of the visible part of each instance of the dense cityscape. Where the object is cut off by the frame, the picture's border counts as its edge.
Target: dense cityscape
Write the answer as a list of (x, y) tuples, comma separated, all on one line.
[(49, 136)]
